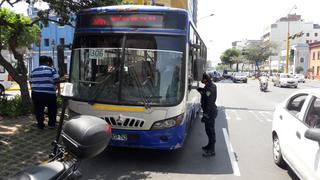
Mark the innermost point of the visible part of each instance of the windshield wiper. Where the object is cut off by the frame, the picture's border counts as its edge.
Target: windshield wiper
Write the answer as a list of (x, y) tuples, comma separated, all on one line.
[(101, 86), (135, 77)]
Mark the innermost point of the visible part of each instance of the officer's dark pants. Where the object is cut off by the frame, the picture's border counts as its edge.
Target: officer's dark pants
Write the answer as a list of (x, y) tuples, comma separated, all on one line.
[(210, 129), (42, 100)]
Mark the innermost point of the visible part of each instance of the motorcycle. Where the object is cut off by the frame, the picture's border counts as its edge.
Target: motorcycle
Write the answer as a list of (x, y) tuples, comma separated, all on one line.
[(263, 84), (82, 136)]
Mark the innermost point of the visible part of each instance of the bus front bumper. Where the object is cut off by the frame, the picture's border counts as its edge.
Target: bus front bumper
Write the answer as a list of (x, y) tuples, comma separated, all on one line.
[(164, 139)]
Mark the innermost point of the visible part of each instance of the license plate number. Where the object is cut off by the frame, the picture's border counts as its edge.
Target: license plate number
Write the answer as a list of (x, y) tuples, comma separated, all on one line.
[(119, 137)]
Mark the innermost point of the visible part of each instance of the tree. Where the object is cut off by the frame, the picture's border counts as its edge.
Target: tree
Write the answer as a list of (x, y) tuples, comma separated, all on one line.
[(238, 60), (258, 52), (229, 55), (18, 31)]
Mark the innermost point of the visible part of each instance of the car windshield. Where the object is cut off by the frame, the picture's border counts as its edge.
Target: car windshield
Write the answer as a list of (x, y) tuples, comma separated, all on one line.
[(145, 72), (240, 74), (286, 76)]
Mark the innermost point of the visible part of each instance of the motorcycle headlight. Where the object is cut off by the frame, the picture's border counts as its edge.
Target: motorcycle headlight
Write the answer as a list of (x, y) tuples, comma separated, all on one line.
[(167, 123)]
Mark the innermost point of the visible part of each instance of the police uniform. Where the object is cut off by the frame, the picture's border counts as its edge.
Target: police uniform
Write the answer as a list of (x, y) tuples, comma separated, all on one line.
[(210, 112)]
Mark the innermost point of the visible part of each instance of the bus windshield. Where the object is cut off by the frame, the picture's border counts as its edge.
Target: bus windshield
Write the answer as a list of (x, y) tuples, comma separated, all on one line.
[(147, 70)]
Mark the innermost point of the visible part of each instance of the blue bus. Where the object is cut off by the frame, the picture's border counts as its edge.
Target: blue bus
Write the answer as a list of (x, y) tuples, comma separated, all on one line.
[(138, 67)]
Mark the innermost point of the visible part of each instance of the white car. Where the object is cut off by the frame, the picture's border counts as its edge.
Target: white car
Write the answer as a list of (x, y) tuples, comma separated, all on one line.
[(5, 80), (300, 78), (240, 76), (285, 80), (296, 133)]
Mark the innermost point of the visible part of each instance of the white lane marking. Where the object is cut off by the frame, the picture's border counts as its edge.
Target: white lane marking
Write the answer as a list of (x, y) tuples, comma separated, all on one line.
[(265, 116), (256, 116), (235, 166), (237, 115)]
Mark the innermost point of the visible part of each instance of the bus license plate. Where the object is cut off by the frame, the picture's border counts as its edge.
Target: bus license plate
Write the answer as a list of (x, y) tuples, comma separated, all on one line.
[(119, 137)]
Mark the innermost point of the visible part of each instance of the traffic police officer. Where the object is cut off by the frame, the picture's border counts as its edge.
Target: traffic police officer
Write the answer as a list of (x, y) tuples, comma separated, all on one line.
[(210, 112)]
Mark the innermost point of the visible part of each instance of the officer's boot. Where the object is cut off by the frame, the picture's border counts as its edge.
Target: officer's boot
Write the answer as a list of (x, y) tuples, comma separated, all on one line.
[(210, 151)]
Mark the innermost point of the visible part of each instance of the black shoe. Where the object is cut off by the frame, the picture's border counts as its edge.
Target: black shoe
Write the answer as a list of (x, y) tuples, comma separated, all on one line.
[(209, 153), (205, 148), (38, 126)]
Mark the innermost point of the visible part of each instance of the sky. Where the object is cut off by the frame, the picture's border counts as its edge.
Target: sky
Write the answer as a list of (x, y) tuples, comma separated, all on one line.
[(236, 20)]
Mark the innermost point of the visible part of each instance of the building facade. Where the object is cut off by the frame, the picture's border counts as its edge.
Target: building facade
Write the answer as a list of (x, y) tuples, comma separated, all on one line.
[(190, 5), (299, 58), (277, 34), (51, 36), (314, 61)]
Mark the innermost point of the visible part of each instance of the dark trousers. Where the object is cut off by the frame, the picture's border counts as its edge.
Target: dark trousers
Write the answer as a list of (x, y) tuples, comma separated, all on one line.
[(42, 100), (210, 128)]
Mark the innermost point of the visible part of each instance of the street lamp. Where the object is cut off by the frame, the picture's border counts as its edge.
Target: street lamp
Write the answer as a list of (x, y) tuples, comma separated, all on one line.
[(53, 45), (205, 17), (288, 39)]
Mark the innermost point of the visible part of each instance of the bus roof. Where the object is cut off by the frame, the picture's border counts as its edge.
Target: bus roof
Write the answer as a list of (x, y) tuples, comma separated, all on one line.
[(132, 8)]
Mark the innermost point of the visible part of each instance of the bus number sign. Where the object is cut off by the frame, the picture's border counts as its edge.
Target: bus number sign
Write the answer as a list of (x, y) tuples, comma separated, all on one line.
[(96, 53)]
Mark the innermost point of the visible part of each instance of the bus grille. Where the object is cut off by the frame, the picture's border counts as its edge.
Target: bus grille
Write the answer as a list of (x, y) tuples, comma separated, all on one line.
[(127, 122)]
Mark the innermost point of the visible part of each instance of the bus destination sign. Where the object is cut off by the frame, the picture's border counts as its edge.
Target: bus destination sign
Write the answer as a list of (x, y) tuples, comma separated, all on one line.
[(132, 20)]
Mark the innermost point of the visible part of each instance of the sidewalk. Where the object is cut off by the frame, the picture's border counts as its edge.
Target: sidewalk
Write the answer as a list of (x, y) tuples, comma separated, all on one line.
[(15, 86), (22, 145)]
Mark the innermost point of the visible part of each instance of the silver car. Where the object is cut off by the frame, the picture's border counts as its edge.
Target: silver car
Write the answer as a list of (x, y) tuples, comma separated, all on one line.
[(285, 80)]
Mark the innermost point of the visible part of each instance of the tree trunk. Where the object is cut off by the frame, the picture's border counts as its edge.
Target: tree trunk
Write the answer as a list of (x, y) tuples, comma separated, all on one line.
[(25, 96), (237, 67)]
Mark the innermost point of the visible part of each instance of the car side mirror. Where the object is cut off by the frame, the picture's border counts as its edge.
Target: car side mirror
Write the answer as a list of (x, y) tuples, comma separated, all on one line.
[(313, 134)]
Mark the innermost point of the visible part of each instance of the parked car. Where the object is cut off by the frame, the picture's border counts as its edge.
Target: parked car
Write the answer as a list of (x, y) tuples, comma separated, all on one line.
[(240, 77), (296, 133), (300, 78), (285, 80), (5, 80)]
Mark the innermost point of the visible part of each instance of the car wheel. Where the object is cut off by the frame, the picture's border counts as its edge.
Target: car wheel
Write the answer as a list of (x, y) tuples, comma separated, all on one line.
[(277, 155), (296, 87)]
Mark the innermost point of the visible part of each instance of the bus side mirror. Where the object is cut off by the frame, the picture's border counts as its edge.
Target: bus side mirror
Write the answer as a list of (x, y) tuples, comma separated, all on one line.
[(199, 67), (196, 46)]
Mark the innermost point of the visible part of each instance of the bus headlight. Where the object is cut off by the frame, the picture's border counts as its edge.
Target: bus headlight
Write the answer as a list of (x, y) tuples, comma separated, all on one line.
[(167, 123)]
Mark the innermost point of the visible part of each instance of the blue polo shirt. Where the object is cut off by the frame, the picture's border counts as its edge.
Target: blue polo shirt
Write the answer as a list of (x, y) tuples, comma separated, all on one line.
[(43, 79)]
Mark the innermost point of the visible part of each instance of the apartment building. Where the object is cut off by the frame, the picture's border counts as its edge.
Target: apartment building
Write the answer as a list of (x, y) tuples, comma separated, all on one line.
[(277, 33), (314, 61)]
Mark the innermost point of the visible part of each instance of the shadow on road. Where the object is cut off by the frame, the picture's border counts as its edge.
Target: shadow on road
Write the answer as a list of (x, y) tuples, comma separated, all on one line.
[(129, 163)]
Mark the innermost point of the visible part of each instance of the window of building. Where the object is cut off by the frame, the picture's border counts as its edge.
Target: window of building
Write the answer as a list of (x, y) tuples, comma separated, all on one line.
[(318, 55), (302, 60), (313, 55), (62, 41), (307, 34), (312, 69), (315, 34), (46, 42), (318, 68), (307, 41)]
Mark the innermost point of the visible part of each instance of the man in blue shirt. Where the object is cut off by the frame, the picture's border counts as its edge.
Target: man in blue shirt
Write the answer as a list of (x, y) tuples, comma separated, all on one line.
[(44, 80)]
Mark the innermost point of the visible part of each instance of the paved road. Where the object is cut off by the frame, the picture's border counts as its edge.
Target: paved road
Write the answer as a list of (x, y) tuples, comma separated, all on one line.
[(245, 116)]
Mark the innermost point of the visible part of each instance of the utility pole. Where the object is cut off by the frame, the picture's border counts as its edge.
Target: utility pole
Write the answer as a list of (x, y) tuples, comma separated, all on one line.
[(288, 39)]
